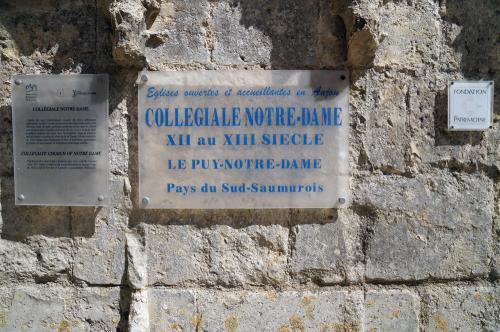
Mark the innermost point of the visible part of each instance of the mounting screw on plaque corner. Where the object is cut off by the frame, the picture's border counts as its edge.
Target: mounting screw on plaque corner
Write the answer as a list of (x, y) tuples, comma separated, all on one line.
[(144, 78), (100, 198), (17, 81), (145, 201), (342, 200), (20, 197)]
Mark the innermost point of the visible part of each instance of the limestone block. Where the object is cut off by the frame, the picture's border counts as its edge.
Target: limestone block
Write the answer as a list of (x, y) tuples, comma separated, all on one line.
[(253, 255), (101, 259), (432, 226), (178, 34), (284, 311), (173, 310), (328, 252), (461, 308), (216, 255), (391, 310), (201, 310), (49, 308), (175, 254), (18, 262)]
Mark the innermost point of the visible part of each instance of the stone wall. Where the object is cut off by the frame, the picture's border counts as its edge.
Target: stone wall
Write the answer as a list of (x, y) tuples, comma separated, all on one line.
[(418, 250)]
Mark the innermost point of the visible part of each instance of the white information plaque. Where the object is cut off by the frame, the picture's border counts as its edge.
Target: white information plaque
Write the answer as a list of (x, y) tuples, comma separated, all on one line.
[(470, 105), (60, 131), (243, 139)]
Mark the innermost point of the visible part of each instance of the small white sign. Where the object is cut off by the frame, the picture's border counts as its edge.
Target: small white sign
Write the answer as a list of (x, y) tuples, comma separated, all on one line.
[(470, 105)]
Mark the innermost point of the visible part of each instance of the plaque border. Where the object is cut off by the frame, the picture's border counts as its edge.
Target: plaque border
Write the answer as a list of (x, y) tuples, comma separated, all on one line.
[(106, 202), (492, 105)]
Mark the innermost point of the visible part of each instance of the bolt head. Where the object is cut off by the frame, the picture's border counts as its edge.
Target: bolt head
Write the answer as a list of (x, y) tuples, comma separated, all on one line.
[(145, 201), (18, 81), (342, 200), (100, 198), (144, 78), (20, 197)]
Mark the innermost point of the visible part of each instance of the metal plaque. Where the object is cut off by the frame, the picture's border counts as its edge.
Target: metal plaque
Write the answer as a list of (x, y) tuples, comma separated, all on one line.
[(60, 134), (470, 105), (243, 139)]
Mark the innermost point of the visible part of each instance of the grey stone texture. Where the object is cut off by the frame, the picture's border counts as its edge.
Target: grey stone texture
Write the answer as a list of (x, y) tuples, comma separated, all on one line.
[(461, 308), (255, 255), (440, 224), (328, 252), (391, 310), (190, 310), (418, 249), (55, 308)]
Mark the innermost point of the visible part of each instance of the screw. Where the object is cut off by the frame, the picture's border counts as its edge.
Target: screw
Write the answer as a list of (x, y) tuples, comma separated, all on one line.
[(342, 77), (20, 197), (451, 83), (144, 78), (342, 200), (100, 198), (18, 81), (145, 201), (491, 127), (491, 83), (451, 127)]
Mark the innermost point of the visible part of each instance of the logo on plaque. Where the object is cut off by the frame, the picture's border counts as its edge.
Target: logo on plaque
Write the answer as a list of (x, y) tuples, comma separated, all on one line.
[(31, 92)]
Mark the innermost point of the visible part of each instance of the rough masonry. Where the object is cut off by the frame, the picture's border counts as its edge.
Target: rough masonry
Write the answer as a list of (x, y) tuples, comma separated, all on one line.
[(418, 250)]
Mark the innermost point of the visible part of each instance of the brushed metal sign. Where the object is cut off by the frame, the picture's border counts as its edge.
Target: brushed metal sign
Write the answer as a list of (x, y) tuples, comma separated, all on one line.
[(60, 132)]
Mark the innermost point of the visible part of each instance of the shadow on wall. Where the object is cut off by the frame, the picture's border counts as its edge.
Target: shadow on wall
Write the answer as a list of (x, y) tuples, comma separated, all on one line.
[(479, 45), (310, 34), (49, 36), (307, 34), (19, 222), (56, 35)]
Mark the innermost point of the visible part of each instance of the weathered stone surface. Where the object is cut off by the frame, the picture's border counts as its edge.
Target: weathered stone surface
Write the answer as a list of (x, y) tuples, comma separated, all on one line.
[(280, 33), (173, 310), (175, 254), (129, 20), (137, 274), (178, 34), (188, 310), (37, 43), (287, 311), (138, 317), (243, 44), (254, 255), (100, 260), (328, 252), (431, 226), (426, 203), (219, 254), (461, 308), (17, 262), (495, 269), (50, 307), (391, 310), (407, 43)]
